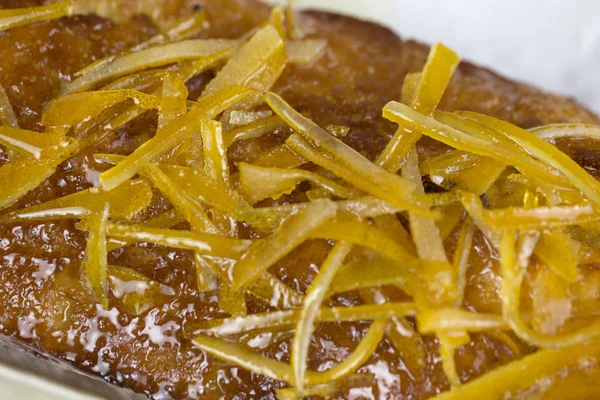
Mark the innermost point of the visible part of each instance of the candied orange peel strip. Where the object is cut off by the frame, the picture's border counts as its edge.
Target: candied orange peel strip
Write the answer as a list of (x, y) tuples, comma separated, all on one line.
[(94, 267), (12, 18), (535, 206)]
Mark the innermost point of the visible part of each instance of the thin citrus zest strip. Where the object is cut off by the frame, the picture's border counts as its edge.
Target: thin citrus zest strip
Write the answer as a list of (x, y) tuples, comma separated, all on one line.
[(437, 72), (204, 243), (558, 131), (370, 272), (425, 233), (414, 121), (136, 292), (277, 293), (287, 318), (105, 130), (452, 215), (560, 253), (510, 379), (294, 30), (365, 349), (74, 108), (179, 31), (94, 267), (216, 166), (281, 156), (312, 304), (189, 184), (419, 204), (269, 218), (276, 20), (7, 114), (165, 139), (430, 247), (450, 341), (453, 319), (435, 77), (409, 89), (253, 130), (390, 224), (12, 18), (256, 65), (461, 259), (508, 340), (243, 118), (361, 180), (326, 390), (349, 164), (31, 172), (173, 102), (292, 232), (306, 51), (216, 169), (477, 129), (466, 171), (239, 355), (165, 219), (143, 81), (547, 153), (512, 267), (360, 233), (191, 211), (148, 58), (257, 183), (523, 219), (138, 194), (30, 143)]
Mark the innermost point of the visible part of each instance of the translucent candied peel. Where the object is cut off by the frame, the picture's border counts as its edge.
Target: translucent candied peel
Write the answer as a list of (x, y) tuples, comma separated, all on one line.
[(510, 379), (7, 114), (547, 153), (423, 92), (557, 131), (32, 172), (402, 114), (170, 135), (148, 58), (239, 355), (136, 292), (256, 65), (90, 201), (310, 309), (396, 256), (253, 129), (292, 232), (305, 52), (287, 318), (349, 164), (94, 267), (205, 243), (181, 30), (258, 183), (30, 143), (72, 109), (12, 18)]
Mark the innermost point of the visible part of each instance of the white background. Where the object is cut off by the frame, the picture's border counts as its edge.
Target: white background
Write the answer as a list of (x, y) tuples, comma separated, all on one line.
[(554, 44)]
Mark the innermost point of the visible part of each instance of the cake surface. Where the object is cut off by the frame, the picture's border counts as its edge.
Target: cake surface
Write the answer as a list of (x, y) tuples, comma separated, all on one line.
[(43, 302)]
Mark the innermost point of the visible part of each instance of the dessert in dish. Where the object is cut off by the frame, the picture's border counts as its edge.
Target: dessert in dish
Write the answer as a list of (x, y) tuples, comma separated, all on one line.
[(219, 199)]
